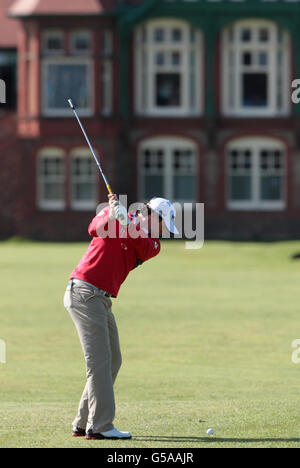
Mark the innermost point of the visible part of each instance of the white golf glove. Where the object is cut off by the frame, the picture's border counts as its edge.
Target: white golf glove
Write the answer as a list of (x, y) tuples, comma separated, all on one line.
[(120, 213)]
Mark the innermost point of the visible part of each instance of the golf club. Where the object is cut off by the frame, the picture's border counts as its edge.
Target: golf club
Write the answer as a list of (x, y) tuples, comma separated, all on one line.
[(91, 148)]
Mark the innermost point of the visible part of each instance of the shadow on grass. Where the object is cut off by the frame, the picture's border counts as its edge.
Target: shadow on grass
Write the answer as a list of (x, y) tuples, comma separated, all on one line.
[(209, 439)]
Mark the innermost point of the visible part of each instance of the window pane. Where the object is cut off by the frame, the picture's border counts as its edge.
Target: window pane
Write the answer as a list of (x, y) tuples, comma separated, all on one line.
[(52, 167), (248, 159), (67, 81), (160, 58), (83, 180), (240, 160), (271, 188), (153, 160), (168, 89), (184, 187), (153, 186), (278, 156), (255, 89), (53, 41), (176, 35), (8, 73), (240, 188), (246, 35), (159, 35), (176, 58), (263, 58), (84, 191), (247, 58), (53, 191), (82, 166), (263, 35), (82, 42), (183, 160)]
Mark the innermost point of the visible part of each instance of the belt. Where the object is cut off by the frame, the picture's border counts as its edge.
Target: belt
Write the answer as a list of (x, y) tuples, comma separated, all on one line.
[(77, 281)]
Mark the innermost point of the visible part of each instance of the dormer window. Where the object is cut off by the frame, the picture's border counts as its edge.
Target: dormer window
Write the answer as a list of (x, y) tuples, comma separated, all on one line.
[(53, 42), (256, 69), (81, 42)]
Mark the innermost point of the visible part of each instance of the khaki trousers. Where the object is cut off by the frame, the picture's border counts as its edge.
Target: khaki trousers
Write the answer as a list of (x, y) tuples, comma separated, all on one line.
[(98, 334)]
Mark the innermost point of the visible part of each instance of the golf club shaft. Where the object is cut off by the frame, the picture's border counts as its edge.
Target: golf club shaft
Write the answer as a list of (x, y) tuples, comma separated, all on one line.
[(91, 148)]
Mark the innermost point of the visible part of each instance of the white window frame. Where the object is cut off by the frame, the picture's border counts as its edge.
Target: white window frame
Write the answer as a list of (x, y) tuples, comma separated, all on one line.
[(83, 205), (256, 204), (107, 42), (73, 49), (65, 112), (50, 205), (149, 49), (46, 35), (272, 47), (168, 144)]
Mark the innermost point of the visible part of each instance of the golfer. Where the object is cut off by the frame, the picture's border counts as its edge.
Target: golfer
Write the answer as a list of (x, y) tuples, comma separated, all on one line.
[(93, 283)]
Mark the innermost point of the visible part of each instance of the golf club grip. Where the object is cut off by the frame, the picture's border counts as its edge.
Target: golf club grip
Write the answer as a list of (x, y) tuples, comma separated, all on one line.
[(71, 104)]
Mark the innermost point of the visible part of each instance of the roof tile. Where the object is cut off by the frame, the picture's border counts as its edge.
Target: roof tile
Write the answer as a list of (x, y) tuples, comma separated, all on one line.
[(8, 27), (57, 7)]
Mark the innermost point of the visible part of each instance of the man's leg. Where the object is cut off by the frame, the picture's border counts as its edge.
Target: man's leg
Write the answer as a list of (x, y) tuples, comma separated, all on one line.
[(114, 345), (83, 410), (89, 312)]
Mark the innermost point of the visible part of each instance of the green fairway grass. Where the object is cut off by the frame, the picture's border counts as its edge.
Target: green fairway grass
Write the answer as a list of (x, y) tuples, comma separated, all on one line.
[(206, 339)]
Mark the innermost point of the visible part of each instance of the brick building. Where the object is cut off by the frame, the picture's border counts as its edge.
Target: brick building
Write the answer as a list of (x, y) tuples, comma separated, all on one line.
[(187, 99)]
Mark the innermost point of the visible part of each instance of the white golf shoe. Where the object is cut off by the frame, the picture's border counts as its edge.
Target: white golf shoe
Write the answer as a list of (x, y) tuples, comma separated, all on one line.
[(112, 434), (115, 434)]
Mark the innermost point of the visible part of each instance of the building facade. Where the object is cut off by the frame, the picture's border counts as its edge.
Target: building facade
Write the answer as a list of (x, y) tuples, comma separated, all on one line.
[(190, 100)]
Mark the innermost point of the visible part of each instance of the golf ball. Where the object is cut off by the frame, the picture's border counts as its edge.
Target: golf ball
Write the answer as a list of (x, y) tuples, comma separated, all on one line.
[(210, 432)]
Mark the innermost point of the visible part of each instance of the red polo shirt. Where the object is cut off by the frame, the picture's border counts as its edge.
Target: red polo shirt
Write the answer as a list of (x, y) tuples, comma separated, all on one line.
[(108, 261)]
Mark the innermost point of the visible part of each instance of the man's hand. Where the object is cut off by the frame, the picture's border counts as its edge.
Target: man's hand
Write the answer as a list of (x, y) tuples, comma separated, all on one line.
[(118, 211), (112, 199)]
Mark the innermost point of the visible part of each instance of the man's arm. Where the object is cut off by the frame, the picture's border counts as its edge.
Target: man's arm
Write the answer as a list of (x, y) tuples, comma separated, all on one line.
[(111, 213), (146, 248), (99, 223)]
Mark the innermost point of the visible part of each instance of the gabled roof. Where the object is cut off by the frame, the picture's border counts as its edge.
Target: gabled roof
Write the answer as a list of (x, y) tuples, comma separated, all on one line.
[(8, 27), (23, 8)]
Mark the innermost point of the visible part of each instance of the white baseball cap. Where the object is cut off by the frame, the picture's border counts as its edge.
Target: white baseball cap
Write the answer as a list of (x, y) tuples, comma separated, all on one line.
[(166, 211)]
